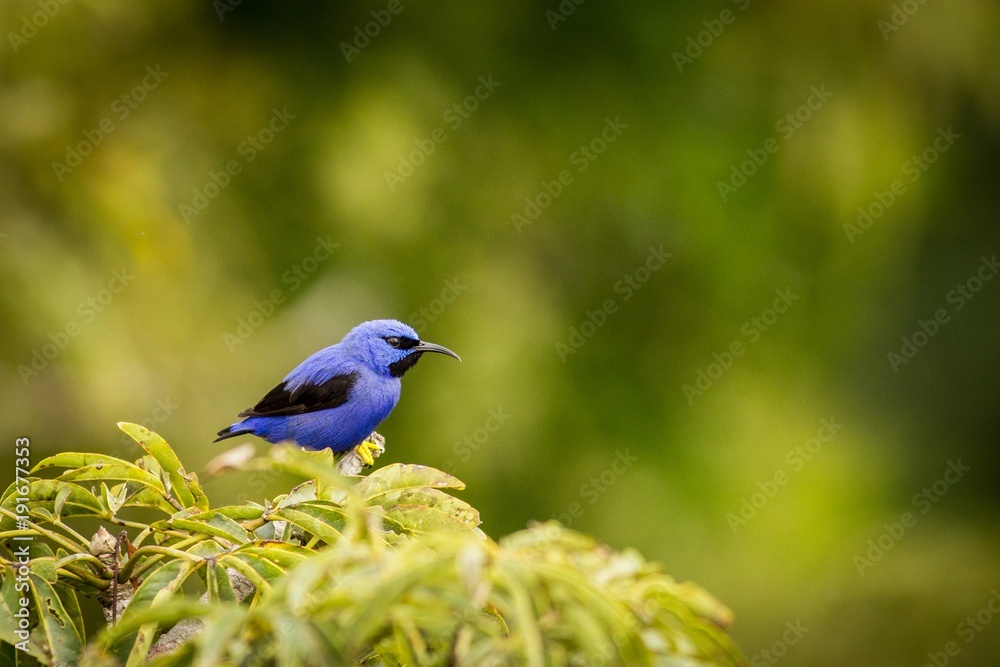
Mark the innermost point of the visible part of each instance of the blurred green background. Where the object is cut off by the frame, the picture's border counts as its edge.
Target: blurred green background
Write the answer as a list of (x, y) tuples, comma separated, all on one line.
[(263, 176)]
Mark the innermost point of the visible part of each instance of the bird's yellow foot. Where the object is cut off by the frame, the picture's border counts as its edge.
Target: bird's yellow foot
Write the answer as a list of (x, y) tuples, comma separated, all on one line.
[(364, 451)]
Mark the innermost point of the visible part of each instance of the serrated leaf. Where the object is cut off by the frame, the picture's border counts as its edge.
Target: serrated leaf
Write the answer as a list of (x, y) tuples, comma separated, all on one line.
[(185, 485), (397, 476)]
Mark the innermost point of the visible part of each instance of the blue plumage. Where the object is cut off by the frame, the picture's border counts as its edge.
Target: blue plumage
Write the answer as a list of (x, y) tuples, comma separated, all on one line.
[(339, 395)]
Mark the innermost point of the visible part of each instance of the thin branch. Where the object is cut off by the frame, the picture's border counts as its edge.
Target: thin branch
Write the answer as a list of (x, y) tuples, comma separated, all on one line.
[(133, 561), (58, 523), (89, 558), (123, 535), (88, 577), (55, 537)]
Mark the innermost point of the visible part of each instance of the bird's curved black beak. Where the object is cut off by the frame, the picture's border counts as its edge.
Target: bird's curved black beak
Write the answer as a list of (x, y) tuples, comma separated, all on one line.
[(431, 347)]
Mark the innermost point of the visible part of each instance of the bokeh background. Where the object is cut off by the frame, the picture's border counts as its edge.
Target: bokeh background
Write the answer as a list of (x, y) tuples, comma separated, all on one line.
[(118, 121)]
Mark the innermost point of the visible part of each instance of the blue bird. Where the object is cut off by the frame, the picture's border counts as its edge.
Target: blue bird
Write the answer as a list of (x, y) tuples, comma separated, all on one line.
[(336, 398)]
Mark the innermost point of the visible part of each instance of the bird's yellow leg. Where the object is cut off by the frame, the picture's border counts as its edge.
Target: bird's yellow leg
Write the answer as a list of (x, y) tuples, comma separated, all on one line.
[(364, 451)]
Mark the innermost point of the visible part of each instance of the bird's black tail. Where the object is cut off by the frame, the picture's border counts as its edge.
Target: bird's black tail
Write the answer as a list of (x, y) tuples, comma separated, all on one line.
[(228, 432)]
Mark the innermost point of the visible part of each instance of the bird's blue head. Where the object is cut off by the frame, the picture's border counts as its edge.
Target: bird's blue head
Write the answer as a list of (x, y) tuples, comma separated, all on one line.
[(388, 347)]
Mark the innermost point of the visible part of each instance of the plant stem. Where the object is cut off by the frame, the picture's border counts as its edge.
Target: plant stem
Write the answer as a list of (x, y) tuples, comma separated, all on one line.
[(55, 537), (159, 552)]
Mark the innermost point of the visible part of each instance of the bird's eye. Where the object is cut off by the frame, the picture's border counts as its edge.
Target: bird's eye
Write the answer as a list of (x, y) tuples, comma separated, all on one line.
[(393, 341)]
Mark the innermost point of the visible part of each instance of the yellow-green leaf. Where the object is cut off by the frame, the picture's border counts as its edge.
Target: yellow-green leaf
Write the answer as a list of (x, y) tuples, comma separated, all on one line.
[(213, 524), (185, 486), (323, 519), (399, 476)]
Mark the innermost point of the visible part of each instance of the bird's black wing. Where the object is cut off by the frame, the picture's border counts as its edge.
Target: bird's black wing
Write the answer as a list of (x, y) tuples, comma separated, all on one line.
[(307, 398)]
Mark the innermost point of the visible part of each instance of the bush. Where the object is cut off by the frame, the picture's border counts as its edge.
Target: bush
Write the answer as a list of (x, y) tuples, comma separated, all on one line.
[(384, 569)]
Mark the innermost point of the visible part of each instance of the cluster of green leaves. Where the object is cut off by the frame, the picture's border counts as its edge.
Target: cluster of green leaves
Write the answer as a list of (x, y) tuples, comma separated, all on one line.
[(385, 569)]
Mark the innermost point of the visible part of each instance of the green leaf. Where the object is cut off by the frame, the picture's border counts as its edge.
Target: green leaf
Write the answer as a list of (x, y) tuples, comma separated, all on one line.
[(122, 472), (240, 512), (321, 518), (147, 497), (158, 588), (397, 476), (114, 501), (9, 606), (60, 500), (212, 524), (263, 562), (185, 486), (301, 493), (42, 494), (217, 584), (60, 630), (76, 460), (220, 636), (310, 465), (123, 633), (428, 512)]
